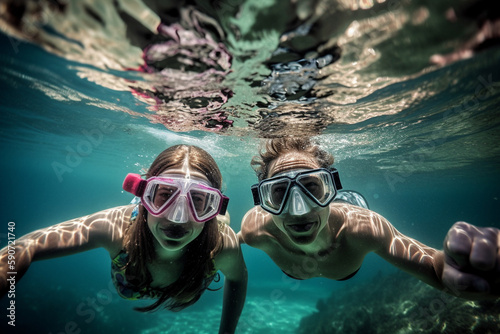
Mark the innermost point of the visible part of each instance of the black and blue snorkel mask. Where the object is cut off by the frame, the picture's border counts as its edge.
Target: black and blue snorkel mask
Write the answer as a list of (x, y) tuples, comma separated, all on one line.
[(319, 185)]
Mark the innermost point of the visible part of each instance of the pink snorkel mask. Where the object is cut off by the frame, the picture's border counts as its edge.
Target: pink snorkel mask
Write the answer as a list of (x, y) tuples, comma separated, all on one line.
[(177, 199)]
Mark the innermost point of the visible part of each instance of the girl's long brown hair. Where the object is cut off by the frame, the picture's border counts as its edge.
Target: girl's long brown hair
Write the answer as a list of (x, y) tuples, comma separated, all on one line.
[(200, 252)]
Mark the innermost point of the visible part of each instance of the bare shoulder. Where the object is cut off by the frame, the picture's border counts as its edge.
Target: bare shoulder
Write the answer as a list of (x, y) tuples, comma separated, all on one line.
[(255, 227), (107, 227), (230, 259), (229, 237), (360, 225), (224, 219), (110, 223)]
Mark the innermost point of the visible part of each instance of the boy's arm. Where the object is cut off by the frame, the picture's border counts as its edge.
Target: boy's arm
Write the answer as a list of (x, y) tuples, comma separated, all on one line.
[(468, 267)]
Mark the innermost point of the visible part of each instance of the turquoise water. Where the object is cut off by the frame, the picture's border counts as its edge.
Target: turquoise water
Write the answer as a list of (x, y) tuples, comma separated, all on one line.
[(420, 142)]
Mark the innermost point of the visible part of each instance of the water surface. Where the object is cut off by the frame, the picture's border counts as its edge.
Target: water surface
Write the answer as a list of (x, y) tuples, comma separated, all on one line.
[(91, 93)]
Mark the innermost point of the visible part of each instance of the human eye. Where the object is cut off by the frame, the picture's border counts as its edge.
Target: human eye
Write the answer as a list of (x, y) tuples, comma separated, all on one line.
[(278, 191), (163, 194), (198, 199), (313, 185), (166, 191)]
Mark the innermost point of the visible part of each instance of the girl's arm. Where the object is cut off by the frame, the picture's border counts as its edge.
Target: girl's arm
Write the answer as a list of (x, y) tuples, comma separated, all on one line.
[(101, 229), (230, 262)]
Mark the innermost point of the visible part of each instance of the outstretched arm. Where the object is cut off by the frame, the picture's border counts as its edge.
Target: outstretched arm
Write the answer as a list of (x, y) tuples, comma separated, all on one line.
[(230, 262), (408, 254), (469, 266), (367, 231), (102, 229)]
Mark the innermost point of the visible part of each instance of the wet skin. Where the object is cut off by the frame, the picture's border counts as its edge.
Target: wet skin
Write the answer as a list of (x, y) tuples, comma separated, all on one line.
[(171, 237), (335, 240), (107, 229), (302, 229)]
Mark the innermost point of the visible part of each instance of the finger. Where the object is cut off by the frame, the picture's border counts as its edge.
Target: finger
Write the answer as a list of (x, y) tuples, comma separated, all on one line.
[(458, 244), (459, 282), (484, 251)]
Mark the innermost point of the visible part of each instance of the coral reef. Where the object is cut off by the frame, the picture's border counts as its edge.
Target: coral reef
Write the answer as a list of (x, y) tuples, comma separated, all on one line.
[(399, 303)]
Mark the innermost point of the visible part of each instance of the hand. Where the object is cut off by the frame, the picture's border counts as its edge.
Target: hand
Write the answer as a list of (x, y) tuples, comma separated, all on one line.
[(472, 261)]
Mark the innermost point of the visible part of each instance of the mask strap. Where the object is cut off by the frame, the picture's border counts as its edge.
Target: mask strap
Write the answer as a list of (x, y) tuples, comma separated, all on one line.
[(134, 184), (255, 194), (336, 178), (223, 208)]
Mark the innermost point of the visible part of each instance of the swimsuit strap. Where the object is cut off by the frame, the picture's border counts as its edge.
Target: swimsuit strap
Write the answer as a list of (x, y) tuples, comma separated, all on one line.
[(124, 288), (342, 279), (135, 213), (349, 276)]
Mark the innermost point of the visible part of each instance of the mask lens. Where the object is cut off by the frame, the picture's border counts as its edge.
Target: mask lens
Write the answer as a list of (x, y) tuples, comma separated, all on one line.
[(205, 202), (159, 194), (319, 185), (184, 196), (274, 193), (163, 194)]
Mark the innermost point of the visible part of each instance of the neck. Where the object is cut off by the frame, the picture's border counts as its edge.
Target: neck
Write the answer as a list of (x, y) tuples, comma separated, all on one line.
[(322, 245), (166, 255)]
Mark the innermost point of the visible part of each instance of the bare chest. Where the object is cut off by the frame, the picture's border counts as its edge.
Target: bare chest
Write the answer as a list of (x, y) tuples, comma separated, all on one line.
[(333, 264), (164, 274)]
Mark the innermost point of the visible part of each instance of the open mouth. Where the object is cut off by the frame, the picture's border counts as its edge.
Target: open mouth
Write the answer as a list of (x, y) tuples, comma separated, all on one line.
[(174, 232), (302, 227)]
